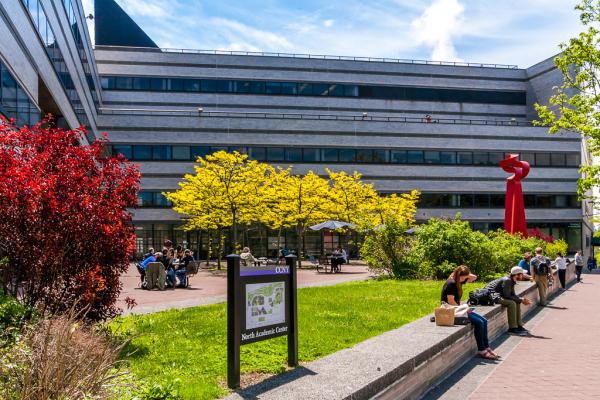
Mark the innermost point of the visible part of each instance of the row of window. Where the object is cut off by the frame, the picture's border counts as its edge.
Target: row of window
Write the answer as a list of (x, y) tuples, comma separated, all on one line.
[(312, 89), (14, 102), (46, 34), (70, 9), (432, 200), (342, 155), (493, 200)]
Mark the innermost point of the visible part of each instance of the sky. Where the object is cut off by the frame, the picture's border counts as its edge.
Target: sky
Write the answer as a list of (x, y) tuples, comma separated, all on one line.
[(521, 32)]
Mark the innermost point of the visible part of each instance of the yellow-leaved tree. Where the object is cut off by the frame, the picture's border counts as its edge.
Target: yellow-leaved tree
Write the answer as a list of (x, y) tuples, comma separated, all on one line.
[(300, 201), (349, 195), (226, 191)]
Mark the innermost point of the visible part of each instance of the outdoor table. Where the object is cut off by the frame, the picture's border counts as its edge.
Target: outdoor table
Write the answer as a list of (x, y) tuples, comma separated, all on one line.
[(336, 262)]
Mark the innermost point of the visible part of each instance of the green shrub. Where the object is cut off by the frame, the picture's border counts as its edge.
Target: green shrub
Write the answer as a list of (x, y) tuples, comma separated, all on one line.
[(12, 316), (558, 246), (385, 251)]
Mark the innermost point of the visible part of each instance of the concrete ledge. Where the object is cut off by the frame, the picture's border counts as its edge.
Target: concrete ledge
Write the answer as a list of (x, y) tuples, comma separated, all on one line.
[(399, 364)]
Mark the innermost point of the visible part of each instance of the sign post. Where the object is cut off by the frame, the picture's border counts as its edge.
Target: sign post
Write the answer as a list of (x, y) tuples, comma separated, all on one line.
[(261, 304)]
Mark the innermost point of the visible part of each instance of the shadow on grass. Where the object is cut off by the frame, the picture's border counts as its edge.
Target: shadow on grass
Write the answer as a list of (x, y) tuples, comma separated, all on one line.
[(254, 391)]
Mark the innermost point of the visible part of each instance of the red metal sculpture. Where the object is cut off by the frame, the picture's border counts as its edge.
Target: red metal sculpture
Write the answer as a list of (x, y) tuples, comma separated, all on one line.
[(514, 212)]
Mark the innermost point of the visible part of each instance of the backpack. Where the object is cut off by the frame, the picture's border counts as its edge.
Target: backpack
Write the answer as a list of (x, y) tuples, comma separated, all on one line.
[(483, 297), (541, 265)]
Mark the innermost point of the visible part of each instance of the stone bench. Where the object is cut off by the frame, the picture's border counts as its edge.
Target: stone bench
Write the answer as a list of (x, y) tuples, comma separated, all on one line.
[(399, 364)]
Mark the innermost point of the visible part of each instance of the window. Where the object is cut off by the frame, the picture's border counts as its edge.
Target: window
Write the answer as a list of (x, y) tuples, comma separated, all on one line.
[(142, 152), (466, 200), (529, 157), (574, 202), (107, 82), (465, 157), (561, 201), (312, 155), (497, 200), (319, 89), (336, 90), (176, 85), (432, 157), (573, 159), (161, 152), (224, 86), (199, 151), (123, 83), (158, 84), (380, 156), (273, 88), (181, 153), (480, 158), (542, 159), (214, 149), (288, 88), (544, 201), (161, 201), (258, 153), (495, 158), (347, 155), (350, 90), (558, 159), (239, 149), (364, 155), (257, 87), (123, 149), (414, 157), (529, 200), (275, 154), (191, 85), (447, 157), (141, 83), (305, 89), (330, 155), (482, 201), (241, 87), (208, 86), (293, 155), (399, 157), (145, 199)]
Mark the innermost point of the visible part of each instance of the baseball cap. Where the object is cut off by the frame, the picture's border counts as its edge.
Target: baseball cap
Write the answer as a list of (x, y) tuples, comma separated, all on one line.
[(517, 270)]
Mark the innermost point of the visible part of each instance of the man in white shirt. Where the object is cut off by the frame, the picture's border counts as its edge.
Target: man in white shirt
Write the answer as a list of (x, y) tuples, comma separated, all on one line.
[(561, 265), (578, 265)]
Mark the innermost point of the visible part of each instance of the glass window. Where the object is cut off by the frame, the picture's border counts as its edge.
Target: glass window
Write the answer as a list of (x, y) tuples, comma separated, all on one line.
[(482, 201), (364, 155), (465, 157), (330, 155), (466, 200), (497, 200), (142, 152), (258, 153), (293, 155), (239, 149), (399, 157), (242, 87), (558, 159), (214, 149), (414, 157), (311, 155), (529, 200), (381, 156), (305, 89), (561, 201), (275, 154), (347, 155), (181, 153), (257, 87), (542, 159), (336, 90), (432, 157), (529, 157), (176, 84), (123, 83), (224, 86), (191, 85), (158, 84), (480, 158), (107, 82), (544, 201), (288, 88), (145, 199), (573, 159), (320, 89), (574, 202), (160, 200), (273, 88), (495, 158), (350, 90), (199, 151), (141, 83), (430, 200), (208, 86), (161, 152), (123, 149), (447, 157)]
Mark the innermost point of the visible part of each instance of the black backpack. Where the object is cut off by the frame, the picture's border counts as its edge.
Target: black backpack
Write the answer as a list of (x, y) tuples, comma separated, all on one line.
[(483, 297), (541, 266)]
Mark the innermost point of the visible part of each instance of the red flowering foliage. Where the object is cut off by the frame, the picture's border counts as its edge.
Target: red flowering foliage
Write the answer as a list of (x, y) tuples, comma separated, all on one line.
[(64, 226), (536, 233)]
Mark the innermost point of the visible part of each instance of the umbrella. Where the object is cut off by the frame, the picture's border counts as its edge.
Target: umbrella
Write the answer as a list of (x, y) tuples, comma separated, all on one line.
[(332, 225)]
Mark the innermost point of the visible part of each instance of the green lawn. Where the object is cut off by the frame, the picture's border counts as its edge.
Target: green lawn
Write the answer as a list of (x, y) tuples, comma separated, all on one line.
[(189, 347)]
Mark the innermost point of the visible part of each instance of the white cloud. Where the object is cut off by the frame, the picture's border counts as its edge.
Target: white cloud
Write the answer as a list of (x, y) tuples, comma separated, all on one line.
[(437, 26), (244, 37), (147, 8), (328, 23)]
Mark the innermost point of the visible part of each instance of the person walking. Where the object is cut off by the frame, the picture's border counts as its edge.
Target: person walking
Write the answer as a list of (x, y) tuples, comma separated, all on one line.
[(561, 265), (505, 287), (540, 268), (578, 265), (451, 294)]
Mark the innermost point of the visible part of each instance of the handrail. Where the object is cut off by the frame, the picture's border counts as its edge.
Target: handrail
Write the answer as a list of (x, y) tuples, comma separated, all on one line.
[(314, 56), (297, 116)]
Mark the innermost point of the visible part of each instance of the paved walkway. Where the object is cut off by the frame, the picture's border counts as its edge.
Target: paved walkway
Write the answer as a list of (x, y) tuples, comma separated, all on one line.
[(558, 361), (211, 287)]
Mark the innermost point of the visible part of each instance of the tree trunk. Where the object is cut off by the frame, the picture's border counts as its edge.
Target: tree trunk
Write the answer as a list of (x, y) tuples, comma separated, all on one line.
[(208, 247), (301, 239), (219, 248), (279, 252)]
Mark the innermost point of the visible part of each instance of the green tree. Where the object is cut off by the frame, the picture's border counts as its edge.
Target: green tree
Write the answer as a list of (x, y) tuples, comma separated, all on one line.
[(575, 106)]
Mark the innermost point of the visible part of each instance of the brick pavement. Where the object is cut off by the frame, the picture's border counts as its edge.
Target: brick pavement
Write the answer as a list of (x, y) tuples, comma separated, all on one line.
[(211, 287), (560, 359)]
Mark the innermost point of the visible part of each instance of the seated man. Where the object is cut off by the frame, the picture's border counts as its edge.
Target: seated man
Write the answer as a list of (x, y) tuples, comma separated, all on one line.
[(525, 264), (505, 287), (150, 258), (183, 266)]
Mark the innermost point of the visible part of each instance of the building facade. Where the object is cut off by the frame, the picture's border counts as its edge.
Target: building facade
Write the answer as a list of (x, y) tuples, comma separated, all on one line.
[(440, 128)]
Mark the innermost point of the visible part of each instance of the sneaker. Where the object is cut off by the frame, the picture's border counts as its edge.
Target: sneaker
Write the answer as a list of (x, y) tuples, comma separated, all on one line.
[(522, 329), (516, 331)]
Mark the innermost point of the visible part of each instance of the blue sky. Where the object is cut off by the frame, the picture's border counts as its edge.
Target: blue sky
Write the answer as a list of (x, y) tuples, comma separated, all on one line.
[(521, 32)]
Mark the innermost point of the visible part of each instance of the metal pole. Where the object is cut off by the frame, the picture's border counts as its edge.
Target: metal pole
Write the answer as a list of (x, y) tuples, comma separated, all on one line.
[(233, 321), (293, 323)]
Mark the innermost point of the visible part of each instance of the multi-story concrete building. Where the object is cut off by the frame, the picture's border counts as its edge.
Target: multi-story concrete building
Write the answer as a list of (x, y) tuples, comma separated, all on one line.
[(437, 127)]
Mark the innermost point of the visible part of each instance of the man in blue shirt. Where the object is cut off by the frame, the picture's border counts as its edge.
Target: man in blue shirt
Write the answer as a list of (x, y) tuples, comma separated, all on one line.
[(524, 264), (149, 259)]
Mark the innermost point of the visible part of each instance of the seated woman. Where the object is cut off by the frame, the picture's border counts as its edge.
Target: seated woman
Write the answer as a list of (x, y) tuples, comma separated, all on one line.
[(451, 294), (247, 258)]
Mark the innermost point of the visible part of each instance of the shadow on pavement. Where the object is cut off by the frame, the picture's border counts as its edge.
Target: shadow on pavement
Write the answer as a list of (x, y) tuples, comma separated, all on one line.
[(252, 392)]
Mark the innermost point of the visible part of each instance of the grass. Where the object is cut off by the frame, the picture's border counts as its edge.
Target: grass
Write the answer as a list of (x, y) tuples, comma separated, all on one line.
[(188, 347)]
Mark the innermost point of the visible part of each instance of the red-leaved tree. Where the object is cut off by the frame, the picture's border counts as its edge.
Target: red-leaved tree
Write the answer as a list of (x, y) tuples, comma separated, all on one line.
[(64, 226)]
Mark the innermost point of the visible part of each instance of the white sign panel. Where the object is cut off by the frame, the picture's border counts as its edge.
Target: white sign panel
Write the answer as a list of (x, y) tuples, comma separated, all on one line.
[(265, 304)]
